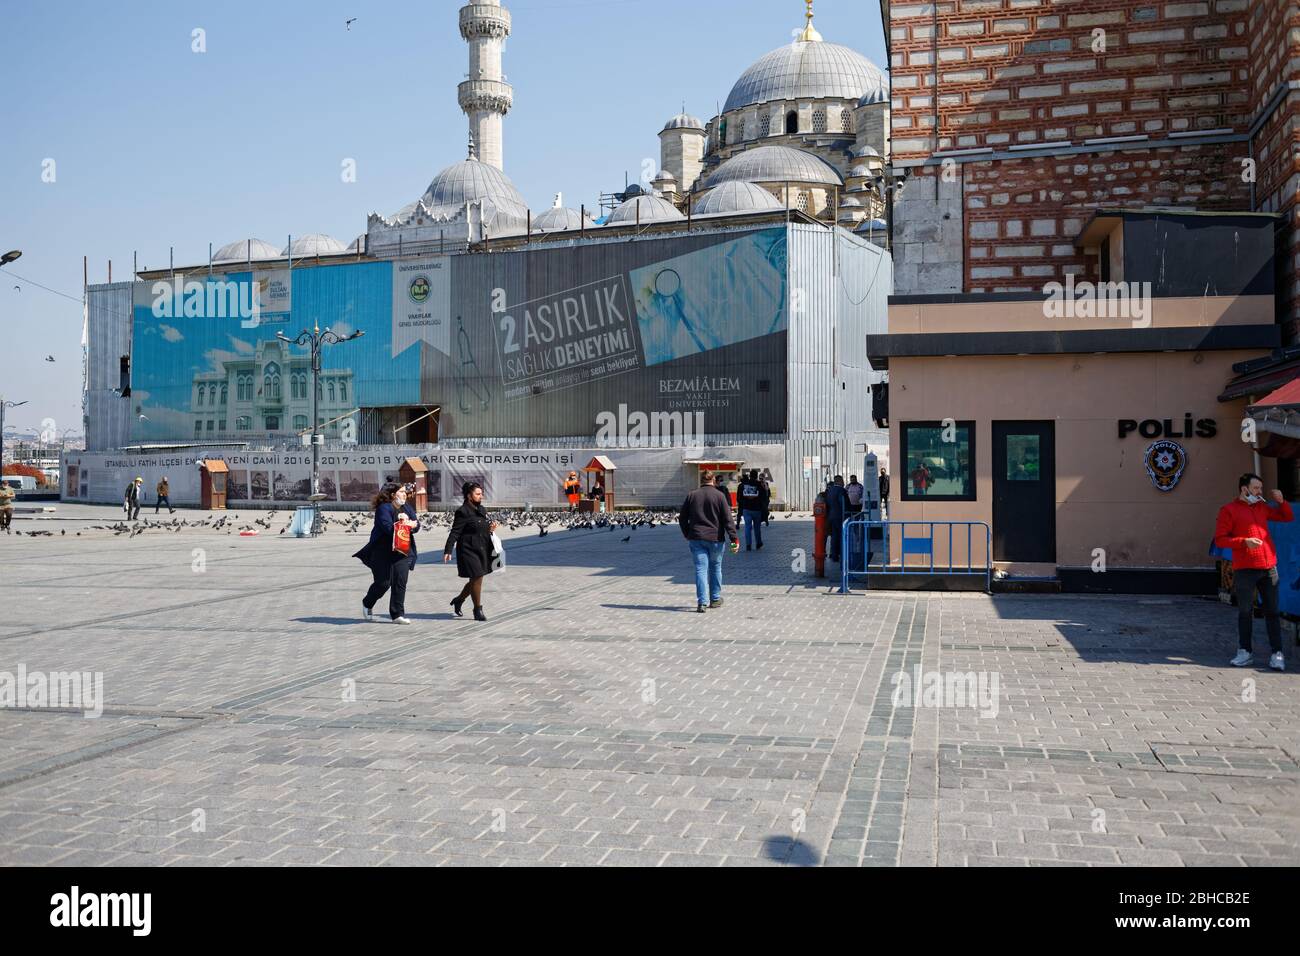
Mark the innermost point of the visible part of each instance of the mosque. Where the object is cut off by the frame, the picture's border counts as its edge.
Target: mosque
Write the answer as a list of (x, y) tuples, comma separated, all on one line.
[(805, 127), (743, 279)]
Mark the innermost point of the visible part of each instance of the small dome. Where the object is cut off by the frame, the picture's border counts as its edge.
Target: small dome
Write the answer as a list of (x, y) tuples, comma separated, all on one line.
[(633, 190), (864, 152), (775, 164), (684, 121), (871, 225), (560, 218), (806, 70), (879, 95), (645, 209), (850, 202), (246, 250), (314, 244), (664, 177), (736, 196), (859, 172)]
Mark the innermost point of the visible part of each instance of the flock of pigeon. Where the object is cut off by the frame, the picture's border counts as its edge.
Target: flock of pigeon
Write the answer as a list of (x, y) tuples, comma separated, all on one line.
[(355, 522)]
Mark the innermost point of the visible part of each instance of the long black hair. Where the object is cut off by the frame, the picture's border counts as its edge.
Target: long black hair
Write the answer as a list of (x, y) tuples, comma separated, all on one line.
[(467, 489), (385, 495)]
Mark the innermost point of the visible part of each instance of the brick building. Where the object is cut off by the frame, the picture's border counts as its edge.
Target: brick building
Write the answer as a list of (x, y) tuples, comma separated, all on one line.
[(1014, 119)]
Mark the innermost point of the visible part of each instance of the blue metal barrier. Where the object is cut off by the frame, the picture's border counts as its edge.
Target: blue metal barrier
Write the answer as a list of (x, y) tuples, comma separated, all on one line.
[(861, 542)]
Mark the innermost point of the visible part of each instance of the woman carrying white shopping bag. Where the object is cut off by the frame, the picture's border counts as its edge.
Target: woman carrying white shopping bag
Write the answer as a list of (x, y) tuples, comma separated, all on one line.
[(478, 550)]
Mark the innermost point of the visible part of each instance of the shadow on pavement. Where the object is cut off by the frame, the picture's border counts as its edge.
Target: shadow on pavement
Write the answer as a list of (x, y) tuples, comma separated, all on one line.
[(791, 852)]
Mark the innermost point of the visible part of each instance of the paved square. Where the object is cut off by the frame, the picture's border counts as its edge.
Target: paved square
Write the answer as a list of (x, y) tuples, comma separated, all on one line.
[(252, 717)]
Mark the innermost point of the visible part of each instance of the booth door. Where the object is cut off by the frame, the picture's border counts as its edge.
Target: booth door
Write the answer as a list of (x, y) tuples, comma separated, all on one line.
[(1024, 491)]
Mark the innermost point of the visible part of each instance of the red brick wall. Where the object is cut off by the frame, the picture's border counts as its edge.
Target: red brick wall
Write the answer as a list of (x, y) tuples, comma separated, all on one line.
[(1024, 71)]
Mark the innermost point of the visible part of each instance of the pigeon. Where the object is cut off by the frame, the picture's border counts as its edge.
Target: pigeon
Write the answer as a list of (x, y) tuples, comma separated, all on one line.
[(627, 539), (349, 23), (49, 358)]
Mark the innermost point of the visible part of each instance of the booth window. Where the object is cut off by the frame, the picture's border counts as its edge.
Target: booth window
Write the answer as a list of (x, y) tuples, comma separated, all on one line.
[(938, 461)]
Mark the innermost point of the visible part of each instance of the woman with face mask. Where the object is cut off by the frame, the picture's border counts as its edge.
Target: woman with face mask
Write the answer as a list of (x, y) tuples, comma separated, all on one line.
[(471, 536), (388, 565)]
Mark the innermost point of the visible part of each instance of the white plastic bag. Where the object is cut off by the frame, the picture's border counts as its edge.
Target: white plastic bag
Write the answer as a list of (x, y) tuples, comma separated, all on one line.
[(498, 553)]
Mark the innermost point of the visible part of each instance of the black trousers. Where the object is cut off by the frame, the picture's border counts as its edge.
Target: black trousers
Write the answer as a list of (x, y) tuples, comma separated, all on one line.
[(391, 577), (6, 516), (163, 500), (132, 511), (1244, 583)]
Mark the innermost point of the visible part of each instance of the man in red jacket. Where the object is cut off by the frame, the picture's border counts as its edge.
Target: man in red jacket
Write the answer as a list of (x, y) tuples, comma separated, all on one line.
[(1243, 527)]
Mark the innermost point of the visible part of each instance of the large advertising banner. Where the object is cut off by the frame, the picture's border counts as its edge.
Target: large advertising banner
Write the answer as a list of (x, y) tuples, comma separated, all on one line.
[(350, 478), (528, 343)]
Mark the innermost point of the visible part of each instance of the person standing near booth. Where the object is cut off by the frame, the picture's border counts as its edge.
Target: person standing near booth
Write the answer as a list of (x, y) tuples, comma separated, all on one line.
[(707, 525), (383, 555), (1242, 525), (572, 490), (753, 508), (884, 492), (836, 502), (471, 536), (855, 492)]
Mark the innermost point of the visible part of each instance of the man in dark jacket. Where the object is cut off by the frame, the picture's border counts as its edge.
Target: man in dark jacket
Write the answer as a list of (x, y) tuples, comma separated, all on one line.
[(707, 524), (836, 500), (752, 496)]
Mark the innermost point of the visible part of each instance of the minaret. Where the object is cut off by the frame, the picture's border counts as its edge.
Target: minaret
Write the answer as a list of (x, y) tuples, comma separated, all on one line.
[(485, 97)]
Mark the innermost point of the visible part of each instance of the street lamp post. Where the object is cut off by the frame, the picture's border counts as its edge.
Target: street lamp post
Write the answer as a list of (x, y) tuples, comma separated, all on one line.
[(314, 339), (3, 406)]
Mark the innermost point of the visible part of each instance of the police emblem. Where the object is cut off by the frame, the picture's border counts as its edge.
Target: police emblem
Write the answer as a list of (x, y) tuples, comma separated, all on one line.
[(1165, 461)]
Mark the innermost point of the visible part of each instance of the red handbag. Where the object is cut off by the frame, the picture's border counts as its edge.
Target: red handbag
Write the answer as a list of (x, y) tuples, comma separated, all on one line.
[(401, 539)]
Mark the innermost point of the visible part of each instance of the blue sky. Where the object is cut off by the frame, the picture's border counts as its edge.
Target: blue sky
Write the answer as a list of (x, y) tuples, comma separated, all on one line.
[(155, 145)]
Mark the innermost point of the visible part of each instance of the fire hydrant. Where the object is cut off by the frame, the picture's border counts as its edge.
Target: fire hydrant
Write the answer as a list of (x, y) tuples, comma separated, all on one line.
[(819, 536)]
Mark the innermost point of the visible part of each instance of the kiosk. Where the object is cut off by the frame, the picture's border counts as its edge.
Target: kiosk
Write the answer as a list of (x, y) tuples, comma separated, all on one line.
[(729, 469), (415, 472), (212, 484), (603, 469)]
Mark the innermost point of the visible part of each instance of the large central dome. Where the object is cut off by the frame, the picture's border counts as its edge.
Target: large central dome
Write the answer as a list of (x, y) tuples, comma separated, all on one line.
[(471, 180), (806, 69)]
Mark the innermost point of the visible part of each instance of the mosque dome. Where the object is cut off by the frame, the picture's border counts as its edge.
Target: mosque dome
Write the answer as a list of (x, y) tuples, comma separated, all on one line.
[(865, 152), (473, 181), (358, 244), (808, 69), (850, 202), (879, 95), (859, 172), (775, 164), (314, 244), (684, 121), (736, 196), (245, 250), (560, 218), (872, 225), (644, 209)]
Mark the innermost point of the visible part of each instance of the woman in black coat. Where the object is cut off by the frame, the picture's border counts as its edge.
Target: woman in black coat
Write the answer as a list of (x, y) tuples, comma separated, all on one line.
[(471, 536), (388, 567)]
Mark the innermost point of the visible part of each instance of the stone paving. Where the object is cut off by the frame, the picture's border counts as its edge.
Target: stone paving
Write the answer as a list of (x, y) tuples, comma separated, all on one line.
[(252, 718)]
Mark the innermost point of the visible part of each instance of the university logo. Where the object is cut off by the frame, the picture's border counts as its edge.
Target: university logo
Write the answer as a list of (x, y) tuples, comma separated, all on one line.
[(1165, 461), (418, 290)]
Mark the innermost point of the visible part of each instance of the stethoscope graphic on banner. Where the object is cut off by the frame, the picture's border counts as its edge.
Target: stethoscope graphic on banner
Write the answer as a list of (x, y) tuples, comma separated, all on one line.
[(668, 286), (467, 361)]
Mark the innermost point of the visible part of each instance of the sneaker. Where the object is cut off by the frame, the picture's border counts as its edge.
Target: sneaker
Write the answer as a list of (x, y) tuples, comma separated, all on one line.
[(1277, 661), (400, 620), (716, 603), (700, 609), (1244, 658), (367, 614)]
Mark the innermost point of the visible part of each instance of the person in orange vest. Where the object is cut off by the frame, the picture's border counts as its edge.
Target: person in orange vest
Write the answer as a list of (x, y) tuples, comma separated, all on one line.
[(1243, 526), (572, 490)]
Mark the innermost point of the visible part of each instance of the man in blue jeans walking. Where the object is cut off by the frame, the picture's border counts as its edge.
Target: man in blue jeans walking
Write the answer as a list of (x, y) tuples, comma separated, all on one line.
[(707, 525), (753, 500)]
